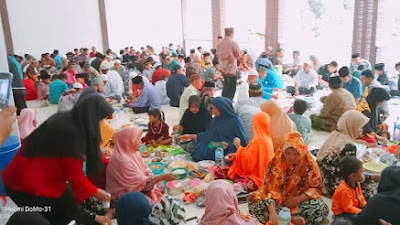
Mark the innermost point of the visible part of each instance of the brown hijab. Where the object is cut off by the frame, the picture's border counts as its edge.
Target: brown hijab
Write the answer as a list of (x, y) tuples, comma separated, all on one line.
[(281, 124)]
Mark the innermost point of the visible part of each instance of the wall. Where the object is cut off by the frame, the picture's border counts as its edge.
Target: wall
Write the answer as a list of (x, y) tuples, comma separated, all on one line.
[(42, 25), (140, 23)]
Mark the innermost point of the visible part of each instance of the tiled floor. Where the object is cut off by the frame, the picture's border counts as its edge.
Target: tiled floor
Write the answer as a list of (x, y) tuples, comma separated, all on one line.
[(316, 140)]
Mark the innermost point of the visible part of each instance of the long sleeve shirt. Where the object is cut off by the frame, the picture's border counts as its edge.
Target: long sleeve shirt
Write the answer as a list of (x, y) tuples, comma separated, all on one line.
[(228, 53), (347, 199), (47, 177), (304, 79), (149, 97)]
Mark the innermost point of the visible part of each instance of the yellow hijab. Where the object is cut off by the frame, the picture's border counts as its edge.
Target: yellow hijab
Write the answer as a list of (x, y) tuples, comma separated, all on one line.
[(107, 132)]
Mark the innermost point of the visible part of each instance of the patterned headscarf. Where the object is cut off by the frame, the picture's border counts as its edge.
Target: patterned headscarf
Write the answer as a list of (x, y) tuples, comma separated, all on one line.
[(282, 181)]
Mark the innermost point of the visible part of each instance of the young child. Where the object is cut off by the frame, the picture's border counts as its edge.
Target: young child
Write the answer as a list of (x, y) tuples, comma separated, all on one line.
[(161, 85), (371, 137), (43, 86), (348, 199), (158, 133), (303, 123)]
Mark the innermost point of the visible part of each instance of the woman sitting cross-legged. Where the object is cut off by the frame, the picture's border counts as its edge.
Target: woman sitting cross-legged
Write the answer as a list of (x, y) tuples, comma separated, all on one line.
[(349, 128), (250, 162), (224, 127), (292, 180), (127, 171)]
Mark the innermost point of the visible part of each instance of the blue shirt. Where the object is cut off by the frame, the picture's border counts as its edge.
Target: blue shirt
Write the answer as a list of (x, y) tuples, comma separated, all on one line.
[(16, 63), (303, 125), (175, 86), (150, 97), (56, 89), (354, 87), (271, 80), (58, 60)]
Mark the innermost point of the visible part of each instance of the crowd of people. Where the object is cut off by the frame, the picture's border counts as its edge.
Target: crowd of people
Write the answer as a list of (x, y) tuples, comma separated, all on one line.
[(60, 162)]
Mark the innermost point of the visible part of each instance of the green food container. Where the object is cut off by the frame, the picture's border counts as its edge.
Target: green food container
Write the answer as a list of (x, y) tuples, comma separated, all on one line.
[(181, 172)]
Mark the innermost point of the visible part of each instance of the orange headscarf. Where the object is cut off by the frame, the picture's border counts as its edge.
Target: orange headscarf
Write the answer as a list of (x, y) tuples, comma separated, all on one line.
[(106, 132), (252, 161), (281, 124), (282, 181)]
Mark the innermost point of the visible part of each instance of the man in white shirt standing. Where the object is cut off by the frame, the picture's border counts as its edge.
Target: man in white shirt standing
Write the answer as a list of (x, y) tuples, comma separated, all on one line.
[(305, 82)]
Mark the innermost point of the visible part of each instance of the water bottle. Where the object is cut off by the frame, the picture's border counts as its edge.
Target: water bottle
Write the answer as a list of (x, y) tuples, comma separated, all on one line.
[(219, 157), (106, 204), (284, 216), (396, 130), (175, 140)]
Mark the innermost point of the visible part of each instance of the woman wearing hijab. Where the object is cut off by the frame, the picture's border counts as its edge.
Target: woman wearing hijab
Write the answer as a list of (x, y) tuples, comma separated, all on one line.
[(250, 162), (195, 119), (349, 129), (222, 206), (224, 127), (375, 98), (53, 155), (292, 180), (106, 132), (281, 124), (128, 172), (386, 204), (26, 122), (133, 208)]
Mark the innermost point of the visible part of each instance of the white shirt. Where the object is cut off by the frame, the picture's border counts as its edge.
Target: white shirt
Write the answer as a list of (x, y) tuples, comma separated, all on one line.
[(243, 91), (115, 85), (304, 79), (161, 85)]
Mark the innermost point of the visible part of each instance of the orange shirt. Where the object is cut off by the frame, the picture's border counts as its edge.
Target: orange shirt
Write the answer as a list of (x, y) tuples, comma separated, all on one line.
[(347, 199)]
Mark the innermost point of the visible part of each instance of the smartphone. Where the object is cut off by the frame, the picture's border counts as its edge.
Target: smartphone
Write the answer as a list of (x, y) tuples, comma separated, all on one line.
[(5, 89)]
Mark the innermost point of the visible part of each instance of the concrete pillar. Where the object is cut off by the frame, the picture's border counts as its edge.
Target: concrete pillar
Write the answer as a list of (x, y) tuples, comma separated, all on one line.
[(364, 30), (6, 27), (218, 19), (184, 22), (103, 24), (273, 9)]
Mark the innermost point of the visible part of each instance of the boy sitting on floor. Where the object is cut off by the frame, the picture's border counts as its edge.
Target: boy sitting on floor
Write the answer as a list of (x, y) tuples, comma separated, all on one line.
[(303, 123), (348, 199)]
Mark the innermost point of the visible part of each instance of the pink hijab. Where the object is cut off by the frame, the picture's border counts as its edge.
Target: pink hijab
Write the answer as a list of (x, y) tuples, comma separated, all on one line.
[(222, 206), (126, 170), (26, 122)]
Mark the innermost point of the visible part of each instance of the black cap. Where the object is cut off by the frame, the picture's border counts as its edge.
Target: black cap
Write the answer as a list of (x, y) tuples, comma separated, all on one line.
[(205, 54), (192, 51), (379, 66), (209, 84), (137, 80), (296, 52), (355, 55), (344, 71)]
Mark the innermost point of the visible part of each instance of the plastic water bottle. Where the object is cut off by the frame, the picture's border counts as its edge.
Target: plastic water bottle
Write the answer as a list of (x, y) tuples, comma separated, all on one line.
[(284, 216), (219, 157), (396, 130), (106, 204), (175, 139)]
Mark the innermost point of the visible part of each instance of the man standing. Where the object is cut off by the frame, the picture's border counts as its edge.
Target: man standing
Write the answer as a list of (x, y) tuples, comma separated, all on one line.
[(351, 83), (305, 82), (228, 53), (149, 98), (324, 73), (356, 61)]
